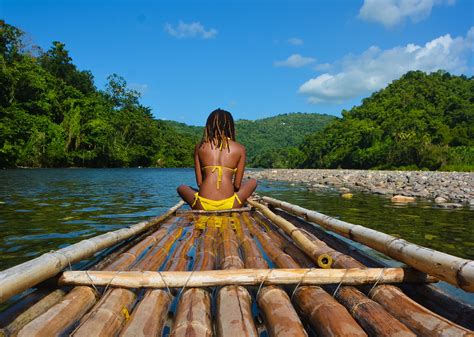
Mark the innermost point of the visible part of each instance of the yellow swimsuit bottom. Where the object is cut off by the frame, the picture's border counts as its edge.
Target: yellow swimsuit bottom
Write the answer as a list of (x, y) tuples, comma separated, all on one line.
[(214, 205)]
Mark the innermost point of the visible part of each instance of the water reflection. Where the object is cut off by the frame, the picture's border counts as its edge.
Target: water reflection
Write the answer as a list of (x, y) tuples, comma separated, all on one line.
[(447, 230), (43, 209)]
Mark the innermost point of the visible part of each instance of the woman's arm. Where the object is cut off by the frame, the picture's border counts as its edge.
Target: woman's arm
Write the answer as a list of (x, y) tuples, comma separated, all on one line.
[(197, 166), (240, 171)]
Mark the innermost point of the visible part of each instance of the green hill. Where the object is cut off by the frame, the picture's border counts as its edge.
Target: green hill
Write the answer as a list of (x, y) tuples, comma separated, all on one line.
[(272, 141), (52, 115), (420, 121)]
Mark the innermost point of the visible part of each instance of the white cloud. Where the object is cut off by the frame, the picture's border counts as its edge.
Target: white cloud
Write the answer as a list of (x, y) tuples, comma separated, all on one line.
[(295, 41), (393, 12), (323, 67), (294, 61), (190, 30), (375, 68)]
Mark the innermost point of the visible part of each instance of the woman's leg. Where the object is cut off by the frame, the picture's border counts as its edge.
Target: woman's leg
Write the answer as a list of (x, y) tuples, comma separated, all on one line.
[(245, 191), (186, 193)]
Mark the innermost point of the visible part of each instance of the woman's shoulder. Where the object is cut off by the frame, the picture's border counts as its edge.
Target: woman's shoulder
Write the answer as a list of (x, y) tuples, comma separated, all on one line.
[(237, 146)]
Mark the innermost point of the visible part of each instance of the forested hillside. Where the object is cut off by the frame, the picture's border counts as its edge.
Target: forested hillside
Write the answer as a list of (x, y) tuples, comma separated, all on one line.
[(272, 141), (53, 115), (421, 121)]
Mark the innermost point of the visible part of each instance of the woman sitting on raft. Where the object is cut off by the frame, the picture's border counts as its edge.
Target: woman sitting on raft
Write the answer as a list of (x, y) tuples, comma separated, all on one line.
[(219, 163)]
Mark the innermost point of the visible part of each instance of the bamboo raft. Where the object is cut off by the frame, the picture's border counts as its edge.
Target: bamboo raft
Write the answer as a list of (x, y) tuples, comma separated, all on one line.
[(270, 269)]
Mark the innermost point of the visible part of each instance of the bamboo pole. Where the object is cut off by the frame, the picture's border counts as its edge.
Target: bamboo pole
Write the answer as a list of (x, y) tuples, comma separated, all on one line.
[(280, 316), (148, 317), (379, 322), (179, 261), (54, 321), (234, 312), (320, 258), (35, 304), (229, 257), (26, 275), (418, 318), (234, 303), (339, 259), (429, 295), (205, 256), (78, 301), (108, 315), (193, 314), (216, 212), (243, 277), (422, 321), (285, 244), (442, 303), (324, 313), (253, 258), (193, 317), (368, 314), (112, 312), (452, 269), (32, 312)]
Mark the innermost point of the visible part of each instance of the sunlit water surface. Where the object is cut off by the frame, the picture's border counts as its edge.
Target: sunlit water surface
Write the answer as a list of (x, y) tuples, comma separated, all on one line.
[(45, 209)]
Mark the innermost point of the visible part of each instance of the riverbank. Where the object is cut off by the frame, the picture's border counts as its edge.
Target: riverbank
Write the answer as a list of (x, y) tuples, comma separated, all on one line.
[(445, 189)]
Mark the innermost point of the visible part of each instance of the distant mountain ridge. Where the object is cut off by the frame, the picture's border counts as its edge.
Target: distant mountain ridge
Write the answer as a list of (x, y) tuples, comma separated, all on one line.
[(266, 135)]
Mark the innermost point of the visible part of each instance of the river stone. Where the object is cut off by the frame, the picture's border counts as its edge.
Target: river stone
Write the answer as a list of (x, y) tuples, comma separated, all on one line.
[(440, 200), (450, 205), (454, 187), (379, 191), (346, 190), (423, 194), (402, 198), (331, 181)]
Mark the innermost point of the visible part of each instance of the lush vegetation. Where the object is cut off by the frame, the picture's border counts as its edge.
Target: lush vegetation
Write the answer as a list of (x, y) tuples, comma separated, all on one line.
[(421, 121), (270, 142), (273, 141), (53, 115)]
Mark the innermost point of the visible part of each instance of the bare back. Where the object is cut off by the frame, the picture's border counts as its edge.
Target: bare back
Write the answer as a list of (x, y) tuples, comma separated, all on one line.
[(205, 161)]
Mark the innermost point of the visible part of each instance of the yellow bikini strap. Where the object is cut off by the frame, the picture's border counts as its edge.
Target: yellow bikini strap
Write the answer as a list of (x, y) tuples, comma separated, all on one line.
[(219, 175), (196, 197), (237, 197)]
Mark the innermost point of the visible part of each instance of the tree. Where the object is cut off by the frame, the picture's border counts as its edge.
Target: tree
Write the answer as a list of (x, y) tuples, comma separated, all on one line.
[(10, 41), (58, 62), (416, 121)]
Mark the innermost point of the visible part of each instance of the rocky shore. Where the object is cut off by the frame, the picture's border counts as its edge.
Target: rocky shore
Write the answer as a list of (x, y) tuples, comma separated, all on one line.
[(446, 189)]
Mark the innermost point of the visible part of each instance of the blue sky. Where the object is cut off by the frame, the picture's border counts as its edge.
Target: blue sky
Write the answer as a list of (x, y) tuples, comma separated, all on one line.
[(253, 58)]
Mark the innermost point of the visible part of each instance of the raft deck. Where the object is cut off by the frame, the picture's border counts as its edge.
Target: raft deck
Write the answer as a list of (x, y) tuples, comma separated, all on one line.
[(236, 240)]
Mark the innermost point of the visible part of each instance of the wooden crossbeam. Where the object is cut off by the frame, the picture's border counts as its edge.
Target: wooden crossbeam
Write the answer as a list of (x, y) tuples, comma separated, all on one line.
[(210, 278), (222, 211)]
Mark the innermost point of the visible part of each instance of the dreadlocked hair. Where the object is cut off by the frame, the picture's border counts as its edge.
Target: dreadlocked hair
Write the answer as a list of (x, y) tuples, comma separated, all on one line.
[(219, 129)]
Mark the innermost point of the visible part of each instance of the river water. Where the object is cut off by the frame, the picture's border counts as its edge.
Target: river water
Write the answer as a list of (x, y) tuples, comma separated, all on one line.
[(45, 209)]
